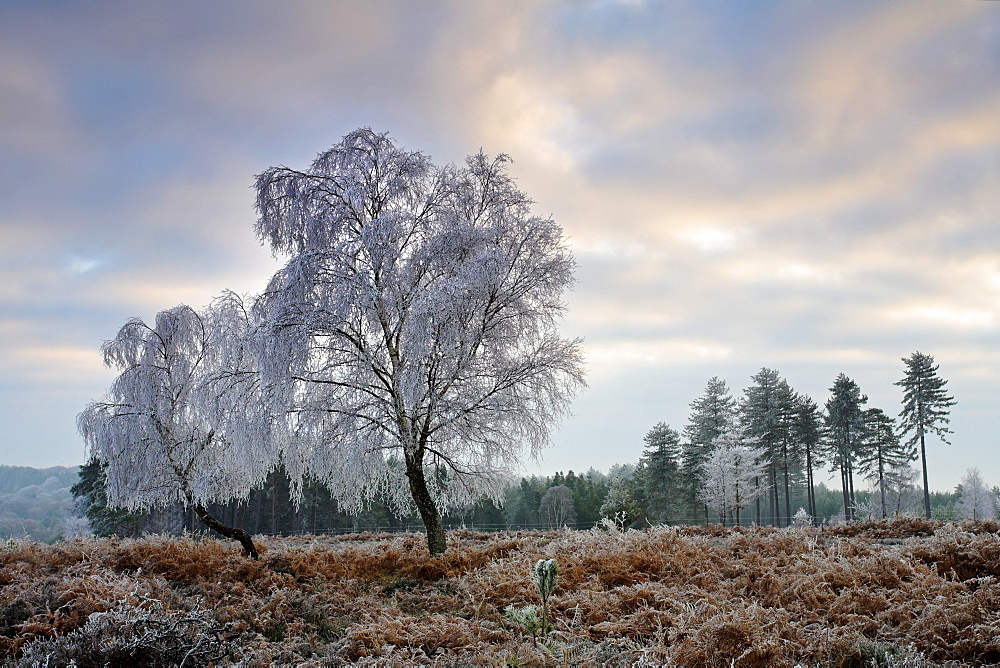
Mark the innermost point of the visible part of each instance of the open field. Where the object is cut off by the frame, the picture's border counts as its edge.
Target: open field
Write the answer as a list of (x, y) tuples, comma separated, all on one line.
[(907, 592)]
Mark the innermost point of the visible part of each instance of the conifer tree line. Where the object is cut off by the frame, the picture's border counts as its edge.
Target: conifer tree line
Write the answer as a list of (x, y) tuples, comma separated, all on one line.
[(751, 458), (754, 457)]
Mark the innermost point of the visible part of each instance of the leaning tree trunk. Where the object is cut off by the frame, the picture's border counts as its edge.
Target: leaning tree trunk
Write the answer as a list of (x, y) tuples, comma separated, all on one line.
[(436, 543), (229, 532)]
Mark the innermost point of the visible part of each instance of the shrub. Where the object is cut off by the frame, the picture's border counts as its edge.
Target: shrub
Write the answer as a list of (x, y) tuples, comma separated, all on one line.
[(129, 635)]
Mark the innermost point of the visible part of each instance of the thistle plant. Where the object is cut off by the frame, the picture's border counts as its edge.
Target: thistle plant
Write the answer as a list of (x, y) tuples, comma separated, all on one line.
[(546, 574)]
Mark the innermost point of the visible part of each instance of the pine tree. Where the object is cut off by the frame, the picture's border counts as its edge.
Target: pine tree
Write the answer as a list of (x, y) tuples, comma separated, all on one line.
[(522, 502), (765, 416), (659, 471), (92, 491), (882, 451), (844, 434), (712, 414), (925, 408), (787, 460), (589, 494), (808, 431)]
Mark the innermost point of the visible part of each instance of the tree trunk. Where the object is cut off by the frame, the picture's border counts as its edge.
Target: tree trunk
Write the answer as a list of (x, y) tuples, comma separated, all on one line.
[(229, 532), (788, 486), (850, 480), (881, 480), (845, 491), (259, 509), (810, 491), (756, 487), (923, 462), (274, 507), (775, 512), (436, 543)]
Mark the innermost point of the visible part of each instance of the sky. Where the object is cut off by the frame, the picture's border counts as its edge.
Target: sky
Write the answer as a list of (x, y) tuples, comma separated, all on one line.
[(812, 187)]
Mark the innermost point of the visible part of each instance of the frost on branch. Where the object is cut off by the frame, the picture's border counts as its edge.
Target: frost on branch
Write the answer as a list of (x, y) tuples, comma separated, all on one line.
[(174, 426), (731, 473), (129, 634), (415, 325)]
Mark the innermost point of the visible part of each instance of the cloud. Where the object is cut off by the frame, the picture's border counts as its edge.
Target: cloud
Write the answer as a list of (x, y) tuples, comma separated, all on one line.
[(710, 239), (608, 357), (803, 185), (53, 364), (33, 113)]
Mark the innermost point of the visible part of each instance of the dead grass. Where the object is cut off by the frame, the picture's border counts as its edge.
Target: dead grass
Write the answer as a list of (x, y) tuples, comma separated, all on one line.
[(908, 592)]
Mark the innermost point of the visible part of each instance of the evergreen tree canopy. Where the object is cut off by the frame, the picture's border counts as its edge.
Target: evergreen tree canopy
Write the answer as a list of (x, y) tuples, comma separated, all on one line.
[(844, 434), (712, 414), (925, 408), (659, 466)]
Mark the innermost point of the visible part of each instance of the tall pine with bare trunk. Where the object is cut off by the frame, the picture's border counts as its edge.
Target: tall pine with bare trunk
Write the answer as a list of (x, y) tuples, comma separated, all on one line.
[(844, 435), (926, 406)]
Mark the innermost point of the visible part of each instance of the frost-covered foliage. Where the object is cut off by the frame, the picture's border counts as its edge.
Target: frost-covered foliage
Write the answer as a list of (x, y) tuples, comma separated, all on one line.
[(556, 508), (525, 617), (976, 502), (168, 430), (902, 494), (415, 322), (802, 518), (908, 589), (732, 475), (76, 527), (136, 634)]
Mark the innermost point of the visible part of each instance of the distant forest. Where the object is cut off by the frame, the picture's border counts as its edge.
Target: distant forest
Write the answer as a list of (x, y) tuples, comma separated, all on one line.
[(536, 502), (39, 504)]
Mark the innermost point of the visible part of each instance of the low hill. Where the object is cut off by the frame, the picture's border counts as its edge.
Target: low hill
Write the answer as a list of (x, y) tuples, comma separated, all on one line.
[(34, 502)]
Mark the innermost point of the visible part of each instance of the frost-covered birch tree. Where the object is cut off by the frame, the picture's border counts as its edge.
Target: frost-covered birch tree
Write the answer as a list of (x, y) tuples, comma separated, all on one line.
[(976, 502), (731, 473), (162, 429), (413, 329), (713, 413), (557, 508)]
